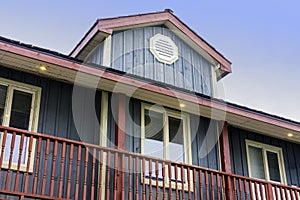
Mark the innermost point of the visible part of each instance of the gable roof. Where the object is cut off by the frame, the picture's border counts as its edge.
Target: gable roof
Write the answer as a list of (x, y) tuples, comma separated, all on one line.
[(105, 27)]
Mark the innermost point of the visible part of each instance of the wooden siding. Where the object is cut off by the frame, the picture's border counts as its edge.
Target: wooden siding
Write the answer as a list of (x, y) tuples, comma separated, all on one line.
[(290, 151), (130, 53), (56, 118)]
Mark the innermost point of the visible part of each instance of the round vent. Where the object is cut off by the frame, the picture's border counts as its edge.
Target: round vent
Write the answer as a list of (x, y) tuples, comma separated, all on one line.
[(164, 49)]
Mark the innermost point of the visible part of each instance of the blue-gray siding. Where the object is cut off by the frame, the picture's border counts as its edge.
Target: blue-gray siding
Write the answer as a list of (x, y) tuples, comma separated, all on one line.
[(290, 151), (130, 53), (56, 118)]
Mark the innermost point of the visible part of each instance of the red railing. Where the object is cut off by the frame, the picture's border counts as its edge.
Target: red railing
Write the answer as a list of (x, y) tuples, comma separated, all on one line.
[(37, 166)]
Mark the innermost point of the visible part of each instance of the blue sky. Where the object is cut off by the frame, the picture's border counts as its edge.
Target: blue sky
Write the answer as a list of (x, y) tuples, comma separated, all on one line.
[(261, 38)]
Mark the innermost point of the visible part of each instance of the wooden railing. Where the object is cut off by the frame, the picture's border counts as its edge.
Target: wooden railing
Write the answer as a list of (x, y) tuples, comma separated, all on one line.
[(38, 166)]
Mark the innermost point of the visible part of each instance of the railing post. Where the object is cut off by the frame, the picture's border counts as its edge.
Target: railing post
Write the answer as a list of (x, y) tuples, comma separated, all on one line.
[(269, 191)]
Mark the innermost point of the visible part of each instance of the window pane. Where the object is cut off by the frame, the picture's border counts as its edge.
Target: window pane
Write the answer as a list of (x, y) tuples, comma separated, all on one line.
[(256, 162), (176, 148), (153, 134), (273, 166), (20, 111), (3, 90)]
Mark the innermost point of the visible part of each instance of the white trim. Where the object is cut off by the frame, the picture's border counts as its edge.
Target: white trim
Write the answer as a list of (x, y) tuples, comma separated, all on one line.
[(186, 139), (265, 148), (103, 137), (214, 80), (107, 52), (33, 119)]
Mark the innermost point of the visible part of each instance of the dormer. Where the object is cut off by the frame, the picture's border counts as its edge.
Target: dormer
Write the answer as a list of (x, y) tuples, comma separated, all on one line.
[(155, 46)]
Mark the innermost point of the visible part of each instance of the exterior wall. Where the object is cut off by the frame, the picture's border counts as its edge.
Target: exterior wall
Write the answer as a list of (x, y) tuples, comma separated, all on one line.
[(130, 53), (239, 166), (56, 118)]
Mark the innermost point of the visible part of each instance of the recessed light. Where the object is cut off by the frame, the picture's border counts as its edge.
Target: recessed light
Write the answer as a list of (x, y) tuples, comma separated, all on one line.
[(43, 67), (182, 105), (290, 134)]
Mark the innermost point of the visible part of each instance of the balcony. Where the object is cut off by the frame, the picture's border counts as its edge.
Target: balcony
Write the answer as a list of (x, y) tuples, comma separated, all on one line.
[(37, 166)]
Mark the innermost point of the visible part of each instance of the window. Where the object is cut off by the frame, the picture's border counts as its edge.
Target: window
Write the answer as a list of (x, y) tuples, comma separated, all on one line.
[(265, 162), (19, 108), (166, 135)]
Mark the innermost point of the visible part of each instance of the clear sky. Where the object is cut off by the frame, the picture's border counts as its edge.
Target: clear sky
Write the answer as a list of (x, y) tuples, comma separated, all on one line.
[(260, 37)]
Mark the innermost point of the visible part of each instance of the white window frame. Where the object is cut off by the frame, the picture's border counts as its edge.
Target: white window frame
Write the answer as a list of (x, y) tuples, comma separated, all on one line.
[(33, 119), (186, 140), (265, 148)]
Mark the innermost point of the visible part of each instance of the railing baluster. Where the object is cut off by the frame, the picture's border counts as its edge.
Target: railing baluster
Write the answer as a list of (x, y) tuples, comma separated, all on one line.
[(12, 146), (246, 189), (286, 193), (256, 190), (107, 193), (93, 174), (281, 192), (137, 160), (218, 186), (86, 161), (62, 168), (115, 174), (200, 184), (143, 178), (276, 192), (194, 184), (28, 164), (296, 192), (45, 166), (70, 171), (240, 189), (38, 155), (206, 185), (182, 182), (77, 172), (129, 177), (176, 181), (235, 188), (156, 179), (223, 186), (212, 185), (170, 180), (123, 177), (261, 190), (189, 182), (150, 179), (251, 189), (19, 163), (100, 174), (291, 191), (164, 180), (2, 149), (53, 168)]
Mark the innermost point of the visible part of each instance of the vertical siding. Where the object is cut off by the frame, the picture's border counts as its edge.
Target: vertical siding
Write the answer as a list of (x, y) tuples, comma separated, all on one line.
[(130, 53), (56, 118), (290, 151)]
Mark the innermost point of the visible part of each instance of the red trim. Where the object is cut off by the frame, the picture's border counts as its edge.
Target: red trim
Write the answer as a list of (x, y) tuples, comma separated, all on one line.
[(107, 26), (120, 104), (84, 42), (136, 83), (224, 150)]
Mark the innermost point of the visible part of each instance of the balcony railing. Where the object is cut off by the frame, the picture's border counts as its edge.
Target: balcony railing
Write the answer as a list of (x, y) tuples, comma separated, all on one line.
[(38, 166)]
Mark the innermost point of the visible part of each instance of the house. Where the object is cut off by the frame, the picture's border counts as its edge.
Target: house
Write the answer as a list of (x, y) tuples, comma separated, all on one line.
[(133, 113)]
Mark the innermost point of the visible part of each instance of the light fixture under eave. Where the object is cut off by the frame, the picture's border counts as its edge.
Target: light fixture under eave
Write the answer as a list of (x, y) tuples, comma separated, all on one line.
[(182, 105), (43, 67), (290, 134)]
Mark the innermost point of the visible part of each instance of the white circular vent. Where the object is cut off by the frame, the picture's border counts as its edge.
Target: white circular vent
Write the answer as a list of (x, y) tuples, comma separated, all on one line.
[(164, 49)]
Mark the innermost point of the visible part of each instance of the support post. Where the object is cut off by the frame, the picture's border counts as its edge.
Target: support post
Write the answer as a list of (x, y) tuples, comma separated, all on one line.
[(225, 160), (120, 137)]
